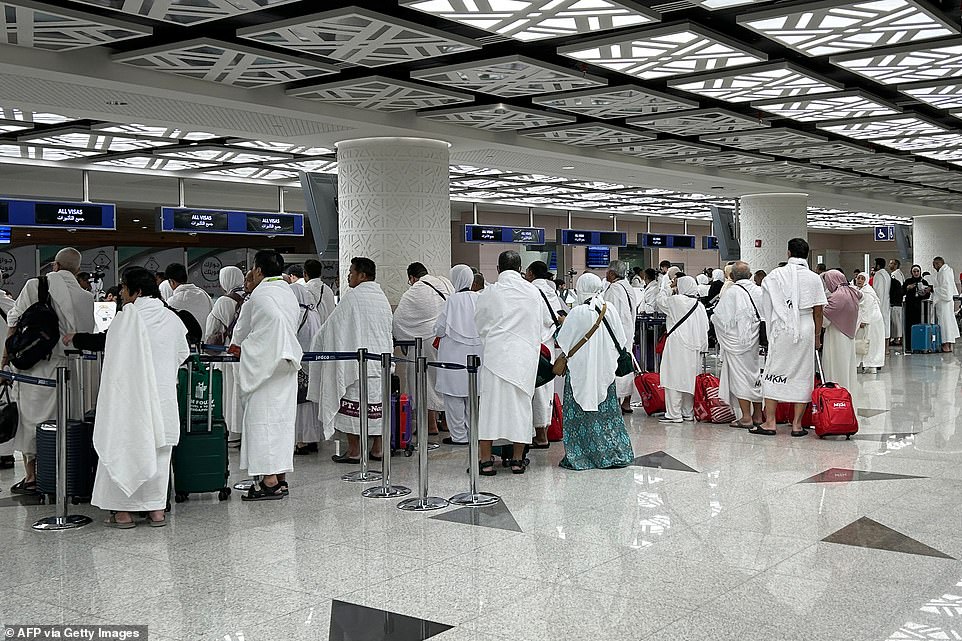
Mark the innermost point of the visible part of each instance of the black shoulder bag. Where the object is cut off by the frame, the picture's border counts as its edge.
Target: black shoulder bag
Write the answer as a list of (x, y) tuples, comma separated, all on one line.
[(626, 365), (762, 330)]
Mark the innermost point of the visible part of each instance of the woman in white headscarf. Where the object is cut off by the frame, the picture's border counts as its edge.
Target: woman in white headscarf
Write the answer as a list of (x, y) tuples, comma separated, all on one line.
[(594, 429), (715, 288), (458, 338), (218, 330), (871, 326), (703, 284), (687, 324)]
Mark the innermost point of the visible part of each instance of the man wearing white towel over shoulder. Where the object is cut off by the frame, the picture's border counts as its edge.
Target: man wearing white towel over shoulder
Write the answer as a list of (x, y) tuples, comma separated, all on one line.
[(792, 300), (508, 317), (362, 319), (943, 294)]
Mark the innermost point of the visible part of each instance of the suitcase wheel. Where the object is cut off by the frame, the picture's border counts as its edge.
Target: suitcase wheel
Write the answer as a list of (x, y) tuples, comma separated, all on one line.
[(409, 451), (224, 494), (180, 497)]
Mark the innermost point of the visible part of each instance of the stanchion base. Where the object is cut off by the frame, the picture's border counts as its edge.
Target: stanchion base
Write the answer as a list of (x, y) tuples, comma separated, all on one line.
[(389, 492), (362, 477), (60, 523), (423, 504), (245, 486), (433, 446), (481, 499)]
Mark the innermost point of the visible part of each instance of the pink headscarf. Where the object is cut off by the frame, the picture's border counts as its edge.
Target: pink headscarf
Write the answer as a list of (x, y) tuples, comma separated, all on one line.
[(842, 308)]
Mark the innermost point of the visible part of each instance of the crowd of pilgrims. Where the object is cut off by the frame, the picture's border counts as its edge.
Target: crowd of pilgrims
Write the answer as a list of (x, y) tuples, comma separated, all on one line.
[(766, 327)]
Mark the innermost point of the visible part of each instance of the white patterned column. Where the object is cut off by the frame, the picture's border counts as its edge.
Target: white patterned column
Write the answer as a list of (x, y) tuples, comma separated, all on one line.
[(770, 220), (394, 207), (936, 236)]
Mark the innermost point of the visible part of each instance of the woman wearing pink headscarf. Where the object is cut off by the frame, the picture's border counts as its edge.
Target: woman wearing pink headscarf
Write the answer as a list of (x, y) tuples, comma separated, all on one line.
[(839, 361)]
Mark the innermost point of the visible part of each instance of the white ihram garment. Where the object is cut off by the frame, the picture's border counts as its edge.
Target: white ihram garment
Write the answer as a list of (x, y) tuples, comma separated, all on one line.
[(870, 313), (681, 359), (193, 299), (541, 402), (75, 313), (882, 283), (943, 291), (416, 316), (459, 339), (267, 379), (323, 298), (137, 422), (509, 323), (737, 330), (307, 426), (621, 300), (221, 316), (362, 319), (789, 294)]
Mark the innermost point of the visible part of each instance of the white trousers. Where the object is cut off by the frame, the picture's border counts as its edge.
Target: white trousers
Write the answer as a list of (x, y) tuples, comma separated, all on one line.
[(679, 404), (897, 322), (6, 449), (456, 411), (541, 405)]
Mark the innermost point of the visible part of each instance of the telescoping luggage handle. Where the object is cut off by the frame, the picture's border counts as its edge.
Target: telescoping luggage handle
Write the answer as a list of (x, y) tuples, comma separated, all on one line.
[(192, 360)]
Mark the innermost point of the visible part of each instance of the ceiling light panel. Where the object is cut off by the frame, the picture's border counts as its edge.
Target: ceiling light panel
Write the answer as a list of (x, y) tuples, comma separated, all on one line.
[(482, 183), (821, 150), (781, 169), (186, 12), (219, 154), (537, 178), (82, 138), (724, 159), (28, 117), (942, 154), (381, 94), (537, 19), (510, 76), (867, 163), (912, 170), (622, 101), (668, 148), (589, 135), (768, 138), (151, 131), (40, 152), (144, 161), (665, 51), (359, 36), (497, 117), (40, 26), (942, 95), (908, 63), (698, 122), (280, 147), (891, 126), (474, 171), (541, 190), (833, 106), (315, 165), (9, 126), (254, 173), (761, 82), (920, 143), (823, 28), (225, 62)]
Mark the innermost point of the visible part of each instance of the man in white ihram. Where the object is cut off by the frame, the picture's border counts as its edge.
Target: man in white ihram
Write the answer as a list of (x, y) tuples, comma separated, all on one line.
[(362, 319), (737, 320), (792, 300), (75, 312), (687, 324), (323, 295), (187, 296), (943, 293), (508, 316), (270, 357), (620, 297), (882, 284), (415, 317)]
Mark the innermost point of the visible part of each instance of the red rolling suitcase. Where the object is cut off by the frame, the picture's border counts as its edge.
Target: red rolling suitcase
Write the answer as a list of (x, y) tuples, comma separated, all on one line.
[(401, 425), (833, 411), (651, 392), (555, 430), (709, 408)]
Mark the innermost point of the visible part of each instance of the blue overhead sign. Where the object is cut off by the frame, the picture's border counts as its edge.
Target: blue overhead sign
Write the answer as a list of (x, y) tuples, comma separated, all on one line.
[(34, 213), (499, 234), (220, 221), (885, 233)]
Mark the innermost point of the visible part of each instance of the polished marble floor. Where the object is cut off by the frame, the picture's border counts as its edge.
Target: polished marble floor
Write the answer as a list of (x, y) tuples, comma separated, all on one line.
[(712, 534)]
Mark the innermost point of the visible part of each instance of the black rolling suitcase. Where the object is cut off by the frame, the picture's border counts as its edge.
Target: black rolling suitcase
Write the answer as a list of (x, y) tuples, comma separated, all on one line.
[(81, 460)]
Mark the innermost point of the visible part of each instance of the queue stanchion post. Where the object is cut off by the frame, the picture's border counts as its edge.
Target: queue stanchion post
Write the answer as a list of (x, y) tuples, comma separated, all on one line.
[(364, 475), (62, 520), (385, 490), (423, 502), (418, 353), (474, 498)]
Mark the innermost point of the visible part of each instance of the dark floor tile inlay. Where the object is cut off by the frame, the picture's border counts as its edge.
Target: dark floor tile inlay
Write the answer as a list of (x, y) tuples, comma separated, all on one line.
[(888, 436), (19, 500), (496, 516), (662, 460), (351, 622), (869, 413), (844, 475), (866, 533)]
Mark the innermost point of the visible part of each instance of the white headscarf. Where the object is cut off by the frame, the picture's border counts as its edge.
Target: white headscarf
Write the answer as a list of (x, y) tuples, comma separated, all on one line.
[(231, 278), (588, 286), (702, 279), (687, 286), (462, 277), (718, 274)]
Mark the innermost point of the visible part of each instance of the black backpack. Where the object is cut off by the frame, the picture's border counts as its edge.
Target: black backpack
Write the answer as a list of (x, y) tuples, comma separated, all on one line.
[(37, 331), (193, 330)]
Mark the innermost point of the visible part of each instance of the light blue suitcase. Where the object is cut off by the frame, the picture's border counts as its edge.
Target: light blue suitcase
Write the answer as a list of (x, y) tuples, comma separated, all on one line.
[(926, 339)]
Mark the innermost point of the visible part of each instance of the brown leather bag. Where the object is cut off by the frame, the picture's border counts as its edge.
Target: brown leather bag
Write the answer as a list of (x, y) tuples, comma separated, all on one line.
[(560, 367)]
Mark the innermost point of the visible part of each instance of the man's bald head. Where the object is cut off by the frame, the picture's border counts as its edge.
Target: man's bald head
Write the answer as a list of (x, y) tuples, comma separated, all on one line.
[(67, 259), (741, 271)]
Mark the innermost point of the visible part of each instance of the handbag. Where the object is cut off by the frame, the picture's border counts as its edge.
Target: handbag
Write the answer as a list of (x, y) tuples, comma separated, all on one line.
[(560, 367), (9, 416), (762, 330), (546, 371), (660, 347), (626, 364), (862, 346)]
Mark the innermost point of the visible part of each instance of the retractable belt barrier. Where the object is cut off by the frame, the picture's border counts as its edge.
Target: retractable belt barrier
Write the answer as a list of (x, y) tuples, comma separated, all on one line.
[(29, 380)]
